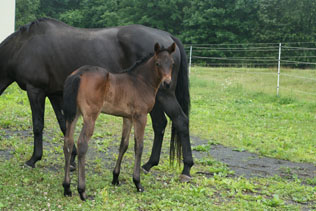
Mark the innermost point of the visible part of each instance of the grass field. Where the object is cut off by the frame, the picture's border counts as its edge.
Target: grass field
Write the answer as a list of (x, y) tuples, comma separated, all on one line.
[(233, 107)]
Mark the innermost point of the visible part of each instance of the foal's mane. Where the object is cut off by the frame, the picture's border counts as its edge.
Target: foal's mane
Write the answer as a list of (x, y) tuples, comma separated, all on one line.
[(142, 60)]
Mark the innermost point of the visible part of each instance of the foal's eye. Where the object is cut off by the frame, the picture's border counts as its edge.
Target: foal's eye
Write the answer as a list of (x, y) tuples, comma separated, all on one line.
[(157, 64)]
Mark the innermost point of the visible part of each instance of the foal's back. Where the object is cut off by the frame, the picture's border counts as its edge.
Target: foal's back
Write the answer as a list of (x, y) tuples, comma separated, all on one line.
[(122, 94)]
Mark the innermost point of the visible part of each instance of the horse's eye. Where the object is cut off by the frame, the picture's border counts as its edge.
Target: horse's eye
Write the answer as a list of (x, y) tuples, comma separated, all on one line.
[(157, 64)]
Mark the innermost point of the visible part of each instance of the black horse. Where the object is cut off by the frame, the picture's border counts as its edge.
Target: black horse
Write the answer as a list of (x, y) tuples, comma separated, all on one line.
[(40, 55)]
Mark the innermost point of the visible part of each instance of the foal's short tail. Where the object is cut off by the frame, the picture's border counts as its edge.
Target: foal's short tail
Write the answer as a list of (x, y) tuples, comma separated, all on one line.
[(71, 87), (183, 97)]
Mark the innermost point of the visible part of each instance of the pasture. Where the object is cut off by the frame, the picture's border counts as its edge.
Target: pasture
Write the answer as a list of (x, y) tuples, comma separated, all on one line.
[(234, 107)]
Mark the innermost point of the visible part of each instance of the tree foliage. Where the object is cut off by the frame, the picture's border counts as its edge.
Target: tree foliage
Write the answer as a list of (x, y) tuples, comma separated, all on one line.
[(194, 21)]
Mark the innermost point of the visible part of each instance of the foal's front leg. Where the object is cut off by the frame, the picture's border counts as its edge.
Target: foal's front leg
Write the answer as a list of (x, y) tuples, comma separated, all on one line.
[(139, 128), (127, 125)]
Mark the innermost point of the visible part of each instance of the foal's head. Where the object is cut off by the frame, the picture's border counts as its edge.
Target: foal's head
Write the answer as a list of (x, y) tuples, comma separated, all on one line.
[(164, 63)]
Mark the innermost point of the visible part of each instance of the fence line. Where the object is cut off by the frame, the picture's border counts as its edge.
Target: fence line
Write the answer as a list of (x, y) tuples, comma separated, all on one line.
[(213, 54), (298, 62), (235, 44), (300, 91), (301, 77)]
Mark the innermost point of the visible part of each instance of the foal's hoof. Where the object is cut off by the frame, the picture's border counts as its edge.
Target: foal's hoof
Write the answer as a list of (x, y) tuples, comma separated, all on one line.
[(67, 193), (83, 196), (115, 182), (140, 189), (185, 178)]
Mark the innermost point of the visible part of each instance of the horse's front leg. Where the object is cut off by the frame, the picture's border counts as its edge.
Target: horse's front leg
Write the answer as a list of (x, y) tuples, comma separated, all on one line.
[(139, 126), (85, 135), (159, 123), (57, 101), (127, 125), (37, 101)]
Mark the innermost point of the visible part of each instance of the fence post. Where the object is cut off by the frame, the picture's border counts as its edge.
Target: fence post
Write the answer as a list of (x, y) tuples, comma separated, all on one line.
[(190, 58), (279, 61)]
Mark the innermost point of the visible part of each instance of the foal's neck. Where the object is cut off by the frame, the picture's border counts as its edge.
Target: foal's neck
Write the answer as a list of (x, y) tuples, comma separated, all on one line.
[(148, 75)]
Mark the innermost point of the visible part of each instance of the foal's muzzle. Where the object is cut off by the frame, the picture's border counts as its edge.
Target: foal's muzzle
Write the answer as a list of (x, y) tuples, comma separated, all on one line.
[(166, 83)]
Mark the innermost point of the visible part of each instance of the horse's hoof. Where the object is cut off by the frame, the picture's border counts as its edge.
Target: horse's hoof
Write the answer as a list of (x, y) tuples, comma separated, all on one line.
[(145, 171), (185, 178), (72, 167), (30, 164)]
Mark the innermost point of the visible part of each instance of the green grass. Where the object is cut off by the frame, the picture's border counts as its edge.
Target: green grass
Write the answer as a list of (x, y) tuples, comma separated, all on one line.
[(234, 107), (240, 108)]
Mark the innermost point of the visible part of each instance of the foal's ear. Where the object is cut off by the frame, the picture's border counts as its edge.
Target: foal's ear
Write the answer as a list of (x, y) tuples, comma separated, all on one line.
[(157, 48), (172, 48)]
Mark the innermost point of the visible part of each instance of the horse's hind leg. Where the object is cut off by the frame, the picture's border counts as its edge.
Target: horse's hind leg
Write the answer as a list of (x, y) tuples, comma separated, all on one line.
[(56, 101), (37, 101), (159, 123), (68, 146), (85, 135), (139, 127), (127, 125), (181, 123)]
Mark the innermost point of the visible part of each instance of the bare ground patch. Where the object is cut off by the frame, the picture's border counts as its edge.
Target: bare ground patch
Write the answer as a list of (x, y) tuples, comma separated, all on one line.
[(249, 164)]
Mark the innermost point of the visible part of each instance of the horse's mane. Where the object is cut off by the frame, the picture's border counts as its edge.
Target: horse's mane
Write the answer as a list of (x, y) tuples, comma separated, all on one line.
[(142, 61), (28, 27)]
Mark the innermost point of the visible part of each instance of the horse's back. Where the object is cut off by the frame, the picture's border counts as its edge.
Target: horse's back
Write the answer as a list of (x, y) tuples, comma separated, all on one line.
[(138, 41), (46, 51)]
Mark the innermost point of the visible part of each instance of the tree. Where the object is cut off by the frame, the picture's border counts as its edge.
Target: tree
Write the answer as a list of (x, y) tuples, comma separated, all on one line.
[(26, 11)]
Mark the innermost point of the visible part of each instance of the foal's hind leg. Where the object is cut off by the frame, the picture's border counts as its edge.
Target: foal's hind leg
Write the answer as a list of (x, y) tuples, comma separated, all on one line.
[(85, 135), (56, 101), (68, 146), (127, 125), (159, 122), (139, 127)]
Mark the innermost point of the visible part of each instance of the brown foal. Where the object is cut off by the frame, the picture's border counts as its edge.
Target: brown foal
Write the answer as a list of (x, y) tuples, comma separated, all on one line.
[(92, 90)]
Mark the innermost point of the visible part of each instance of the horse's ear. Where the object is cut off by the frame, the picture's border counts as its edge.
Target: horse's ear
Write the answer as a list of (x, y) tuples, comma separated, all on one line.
[(172, 48), (157, 48)]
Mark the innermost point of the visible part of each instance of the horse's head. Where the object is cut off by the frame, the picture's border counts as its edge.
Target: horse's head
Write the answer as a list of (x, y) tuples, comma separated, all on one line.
[(164, 63)]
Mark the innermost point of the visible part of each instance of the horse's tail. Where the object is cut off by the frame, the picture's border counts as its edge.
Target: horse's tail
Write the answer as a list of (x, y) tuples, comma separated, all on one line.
[(71, 87), (183, 97)]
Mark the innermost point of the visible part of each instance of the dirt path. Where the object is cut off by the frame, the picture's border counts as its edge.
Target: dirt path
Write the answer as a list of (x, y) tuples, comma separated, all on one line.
[(250, 164)]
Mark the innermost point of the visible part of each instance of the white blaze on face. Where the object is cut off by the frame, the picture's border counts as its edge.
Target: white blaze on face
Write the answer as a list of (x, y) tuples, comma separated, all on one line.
[(7, 18)]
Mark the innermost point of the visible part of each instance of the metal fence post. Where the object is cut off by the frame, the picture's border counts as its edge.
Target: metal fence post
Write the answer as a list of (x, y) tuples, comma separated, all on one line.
[(279, 62), (190, 58)]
